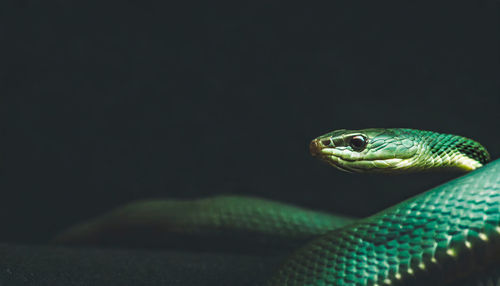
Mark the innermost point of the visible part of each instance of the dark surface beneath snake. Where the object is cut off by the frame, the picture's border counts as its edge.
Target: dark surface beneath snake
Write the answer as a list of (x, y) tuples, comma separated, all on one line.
[(49, 265)]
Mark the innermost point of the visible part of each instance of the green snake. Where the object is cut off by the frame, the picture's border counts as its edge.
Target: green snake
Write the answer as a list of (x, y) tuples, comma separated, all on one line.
[(449, 235)]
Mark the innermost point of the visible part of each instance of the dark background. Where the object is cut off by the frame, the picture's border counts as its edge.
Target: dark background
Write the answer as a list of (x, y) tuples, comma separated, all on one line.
[(104, 103)]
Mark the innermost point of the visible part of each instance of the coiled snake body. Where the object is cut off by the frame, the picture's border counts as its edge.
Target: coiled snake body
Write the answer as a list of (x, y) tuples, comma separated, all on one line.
[(449, 235)]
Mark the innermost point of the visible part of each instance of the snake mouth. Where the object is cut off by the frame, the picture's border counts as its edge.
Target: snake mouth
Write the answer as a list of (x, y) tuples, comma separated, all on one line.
[(325, 152), (354, 162), (317, 148)]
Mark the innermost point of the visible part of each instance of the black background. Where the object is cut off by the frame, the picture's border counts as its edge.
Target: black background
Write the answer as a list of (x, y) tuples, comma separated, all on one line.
[(104, 103)]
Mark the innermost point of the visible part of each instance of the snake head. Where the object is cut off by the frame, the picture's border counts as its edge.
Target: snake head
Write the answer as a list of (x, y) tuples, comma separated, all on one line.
[(393, 150)]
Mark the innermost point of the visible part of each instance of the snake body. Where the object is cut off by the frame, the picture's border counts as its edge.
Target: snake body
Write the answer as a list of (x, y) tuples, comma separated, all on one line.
[(206, 224), (439, 237)]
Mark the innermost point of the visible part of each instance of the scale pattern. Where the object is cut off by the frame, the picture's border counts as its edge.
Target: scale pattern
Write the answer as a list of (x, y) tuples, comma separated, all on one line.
[(436, 238), (443, 150)]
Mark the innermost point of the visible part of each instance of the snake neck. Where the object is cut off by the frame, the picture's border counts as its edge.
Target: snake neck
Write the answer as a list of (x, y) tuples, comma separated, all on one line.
[(453, 151)]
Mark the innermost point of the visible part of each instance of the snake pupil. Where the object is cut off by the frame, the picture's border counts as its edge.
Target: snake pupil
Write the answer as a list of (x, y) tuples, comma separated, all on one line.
[(358, 142)]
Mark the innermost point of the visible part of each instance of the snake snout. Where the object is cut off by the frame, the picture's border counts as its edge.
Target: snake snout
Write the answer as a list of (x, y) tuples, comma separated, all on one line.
[(317, 144), (313, 147)]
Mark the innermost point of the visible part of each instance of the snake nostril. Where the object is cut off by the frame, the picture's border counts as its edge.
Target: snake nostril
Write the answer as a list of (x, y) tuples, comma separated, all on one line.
[(326, 142)]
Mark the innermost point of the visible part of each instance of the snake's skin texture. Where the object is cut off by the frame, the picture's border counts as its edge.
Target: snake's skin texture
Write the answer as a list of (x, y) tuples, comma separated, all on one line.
[(436, 238), (222, 218)]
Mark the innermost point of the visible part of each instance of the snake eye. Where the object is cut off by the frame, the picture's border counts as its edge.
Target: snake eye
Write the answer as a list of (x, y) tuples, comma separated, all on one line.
[(358, 143)]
